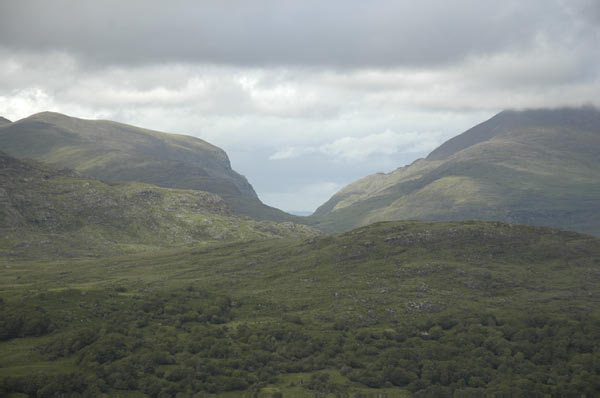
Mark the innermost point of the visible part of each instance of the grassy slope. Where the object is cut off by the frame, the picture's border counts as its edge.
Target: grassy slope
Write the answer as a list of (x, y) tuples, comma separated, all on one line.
[(536, 171), (384, 262), (386, 277), (118, 152), (58, 212)]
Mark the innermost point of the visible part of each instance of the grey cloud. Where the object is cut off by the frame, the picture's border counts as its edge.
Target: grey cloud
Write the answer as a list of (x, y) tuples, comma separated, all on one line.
[(257, 77), (352, 33), (587, 11)]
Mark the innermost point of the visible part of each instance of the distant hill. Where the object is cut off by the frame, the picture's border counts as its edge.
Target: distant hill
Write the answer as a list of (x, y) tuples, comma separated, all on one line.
[(539, 167), (58, 212), (118, 152), (300, 213), (4, 121)]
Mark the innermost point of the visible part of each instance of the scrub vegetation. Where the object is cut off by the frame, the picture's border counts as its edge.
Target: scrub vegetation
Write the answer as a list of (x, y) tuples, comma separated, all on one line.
[(399, 308), (51, 212)]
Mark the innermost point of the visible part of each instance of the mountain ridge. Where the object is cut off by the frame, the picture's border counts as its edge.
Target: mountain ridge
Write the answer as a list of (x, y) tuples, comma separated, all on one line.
[(584, 118), (537, 166), (119, 152)]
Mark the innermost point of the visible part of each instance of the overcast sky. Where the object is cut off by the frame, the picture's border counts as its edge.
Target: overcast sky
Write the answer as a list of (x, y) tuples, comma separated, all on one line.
[(305, 96)]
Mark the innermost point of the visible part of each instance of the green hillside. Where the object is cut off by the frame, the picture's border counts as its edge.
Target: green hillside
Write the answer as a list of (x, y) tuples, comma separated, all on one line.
[(539, 167), (396, 309), (118, 152), (49, 212)]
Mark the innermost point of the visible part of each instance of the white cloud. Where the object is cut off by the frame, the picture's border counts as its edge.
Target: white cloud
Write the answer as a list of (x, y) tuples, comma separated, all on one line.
[(291, 153), (361, 148), (18, 104), (386, 143), (351, 148)]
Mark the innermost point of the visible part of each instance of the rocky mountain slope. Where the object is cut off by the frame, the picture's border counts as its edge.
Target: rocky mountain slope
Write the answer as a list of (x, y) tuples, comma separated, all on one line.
[(118, 152), (49, 211), (539, 167)]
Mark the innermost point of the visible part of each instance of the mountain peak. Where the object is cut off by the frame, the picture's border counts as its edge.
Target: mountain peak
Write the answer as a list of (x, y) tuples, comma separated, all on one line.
[(537, 167), (49, 116), (582, 118), (49, 113)]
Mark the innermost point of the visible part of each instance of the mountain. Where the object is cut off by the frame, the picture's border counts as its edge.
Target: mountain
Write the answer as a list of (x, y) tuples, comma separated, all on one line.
[(118, 152), (393, 309), (51, 212), (4, 121), (539, 167)]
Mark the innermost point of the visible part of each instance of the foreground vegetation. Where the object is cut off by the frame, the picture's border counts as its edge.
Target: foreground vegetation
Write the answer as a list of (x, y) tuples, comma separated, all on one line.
[(403, 309)]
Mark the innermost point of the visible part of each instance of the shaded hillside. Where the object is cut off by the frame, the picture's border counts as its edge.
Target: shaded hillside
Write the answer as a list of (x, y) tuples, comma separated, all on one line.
[(399, 308), (119, 152), (55, 212), (539, 167), (4, 121)]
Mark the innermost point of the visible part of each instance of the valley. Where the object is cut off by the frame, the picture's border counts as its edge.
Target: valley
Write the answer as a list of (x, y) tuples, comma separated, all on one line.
[(135, 263), (299, 199)]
